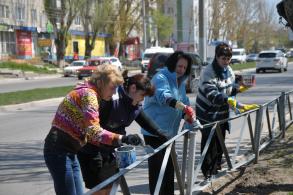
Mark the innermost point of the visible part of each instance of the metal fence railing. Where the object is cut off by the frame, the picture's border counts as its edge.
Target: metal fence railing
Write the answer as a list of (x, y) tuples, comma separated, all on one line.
[(258, 128)]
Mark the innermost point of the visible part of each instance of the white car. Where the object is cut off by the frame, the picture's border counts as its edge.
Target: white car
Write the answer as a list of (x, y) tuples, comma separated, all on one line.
[(73, 67), (271, 60), (114, 61)]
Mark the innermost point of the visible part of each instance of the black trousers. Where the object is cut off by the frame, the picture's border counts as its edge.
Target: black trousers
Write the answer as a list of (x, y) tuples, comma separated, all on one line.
[(155, 163), (213, 158)]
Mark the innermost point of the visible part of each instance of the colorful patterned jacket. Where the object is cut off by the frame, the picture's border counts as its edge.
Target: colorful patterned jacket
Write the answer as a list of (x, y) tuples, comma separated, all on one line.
[(78, 116)]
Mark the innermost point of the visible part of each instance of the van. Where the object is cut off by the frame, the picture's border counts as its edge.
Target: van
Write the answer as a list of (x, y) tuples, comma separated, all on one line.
[(238, 55), (150, 52)]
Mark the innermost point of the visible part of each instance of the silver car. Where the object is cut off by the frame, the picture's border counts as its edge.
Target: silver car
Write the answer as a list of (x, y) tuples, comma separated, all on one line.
[(271, 60)]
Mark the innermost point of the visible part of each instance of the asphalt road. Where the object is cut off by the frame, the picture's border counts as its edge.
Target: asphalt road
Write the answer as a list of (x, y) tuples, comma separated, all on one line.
[(24, 127), (48, 81)]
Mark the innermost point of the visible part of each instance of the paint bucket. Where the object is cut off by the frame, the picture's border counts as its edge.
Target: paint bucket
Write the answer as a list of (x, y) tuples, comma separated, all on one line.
[(249, 80), (125, 155)]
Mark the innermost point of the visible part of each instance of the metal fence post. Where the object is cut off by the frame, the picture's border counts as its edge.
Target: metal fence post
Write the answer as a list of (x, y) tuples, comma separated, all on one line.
[(282, 103), (258, 125), (190, 162)]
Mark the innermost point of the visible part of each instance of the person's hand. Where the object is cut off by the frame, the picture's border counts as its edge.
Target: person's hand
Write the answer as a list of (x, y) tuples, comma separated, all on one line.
[(132, 139), (243, 88), (232, 102), (189, 112), (189, 119), (247, 107)]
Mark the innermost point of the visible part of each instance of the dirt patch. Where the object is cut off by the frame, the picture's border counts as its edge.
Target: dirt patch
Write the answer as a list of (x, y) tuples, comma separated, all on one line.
[(272, 175)]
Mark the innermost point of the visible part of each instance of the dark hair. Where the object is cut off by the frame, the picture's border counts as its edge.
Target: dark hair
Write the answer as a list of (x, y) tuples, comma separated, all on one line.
[(223, 49), (141, 82), (173, 59)]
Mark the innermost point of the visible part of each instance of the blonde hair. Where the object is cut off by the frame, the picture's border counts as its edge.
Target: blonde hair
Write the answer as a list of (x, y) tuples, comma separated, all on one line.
[(105, 74)]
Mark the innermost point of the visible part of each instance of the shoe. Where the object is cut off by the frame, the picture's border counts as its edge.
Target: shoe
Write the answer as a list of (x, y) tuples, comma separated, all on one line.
[(219, 167), (207, 175)]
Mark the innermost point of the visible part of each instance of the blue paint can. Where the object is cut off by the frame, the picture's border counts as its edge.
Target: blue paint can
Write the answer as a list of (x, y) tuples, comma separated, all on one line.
[(125, 155)]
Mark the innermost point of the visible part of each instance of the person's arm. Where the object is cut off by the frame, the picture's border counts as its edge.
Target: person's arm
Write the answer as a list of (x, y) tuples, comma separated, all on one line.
[(163, 92), (209, 88), (146, 123), (94, 132)]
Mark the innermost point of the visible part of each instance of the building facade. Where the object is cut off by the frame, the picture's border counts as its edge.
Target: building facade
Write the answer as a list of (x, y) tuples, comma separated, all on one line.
[(25, 31)]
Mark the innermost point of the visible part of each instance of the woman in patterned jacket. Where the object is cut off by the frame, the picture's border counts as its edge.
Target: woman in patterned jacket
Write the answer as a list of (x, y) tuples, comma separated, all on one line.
[(76, 123)]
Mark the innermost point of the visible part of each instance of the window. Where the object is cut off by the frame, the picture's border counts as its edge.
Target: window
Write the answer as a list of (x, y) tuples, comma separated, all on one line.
[(77, 20), (20, 12), (58, 3), (4, 11), (267, 55), (7, 43)]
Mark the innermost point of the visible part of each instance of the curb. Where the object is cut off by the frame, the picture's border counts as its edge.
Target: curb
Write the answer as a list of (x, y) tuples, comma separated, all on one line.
[(18, 79), (17, 107)]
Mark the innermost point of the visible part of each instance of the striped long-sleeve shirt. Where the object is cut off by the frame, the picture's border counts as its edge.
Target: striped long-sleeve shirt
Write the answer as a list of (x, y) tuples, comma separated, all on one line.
[(78, 116), (215, 86)]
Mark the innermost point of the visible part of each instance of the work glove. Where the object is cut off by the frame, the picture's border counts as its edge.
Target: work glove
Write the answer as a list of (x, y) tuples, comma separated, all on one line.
[(189, 112), (243, 88), (247, 107), (232, 102), (186, 109), (132, 139)]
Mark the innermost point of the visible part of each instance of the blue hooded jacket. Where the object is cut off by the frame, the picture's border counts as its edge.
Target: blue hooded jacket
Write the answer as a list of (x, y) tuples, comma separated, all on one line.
[(156, 107)]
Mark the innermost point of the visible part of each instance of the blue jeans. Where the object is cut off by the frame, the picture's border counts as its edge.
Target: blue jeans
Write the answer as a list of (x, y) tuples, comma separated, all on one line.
[(65, 170)]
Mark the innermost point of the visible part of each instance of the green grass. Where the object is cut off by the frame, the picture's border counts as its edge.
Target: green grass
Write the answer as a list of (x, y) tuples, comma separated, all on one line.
[(243, 66), (33, 95), (26, 67)]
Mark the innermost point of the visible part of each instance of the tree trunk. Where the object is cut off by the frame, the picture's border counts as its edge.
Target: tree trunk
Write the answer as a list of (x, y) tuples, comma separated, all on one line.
[(88, 47), (60, 49)]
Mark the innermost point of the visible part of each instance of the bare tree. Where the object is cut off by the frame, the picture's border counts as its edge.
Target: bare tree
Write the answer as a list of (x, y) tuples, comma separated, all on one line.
[(96, 16), (126, 18), (61, 17), (249, 23)]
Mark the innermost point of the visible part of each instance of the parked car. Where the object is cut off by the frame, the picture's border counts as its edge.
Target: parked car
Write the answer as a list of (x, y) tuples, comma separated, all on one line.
[(158, 61), (71, 70), (271, 60), (150, 52), (91, 65), (114, 61), (252, 57)]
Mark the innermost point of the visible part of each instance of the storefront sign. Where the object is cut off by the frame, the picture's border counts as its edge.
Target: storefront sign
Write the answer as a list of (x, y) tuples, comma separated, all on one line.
[(44, 42), (24, 43)]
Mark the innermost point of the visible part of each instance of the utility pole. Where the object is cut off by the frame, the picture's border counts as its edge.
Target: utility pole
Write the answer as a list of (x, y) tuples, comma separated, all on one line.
[(202, 29), (194, 11), (144, 25)]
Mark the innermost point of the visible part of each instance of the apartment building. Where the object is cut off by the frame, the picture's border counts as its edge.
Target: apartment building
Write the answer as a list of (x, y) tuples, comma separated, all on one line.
[(20, 23), (25, 31)]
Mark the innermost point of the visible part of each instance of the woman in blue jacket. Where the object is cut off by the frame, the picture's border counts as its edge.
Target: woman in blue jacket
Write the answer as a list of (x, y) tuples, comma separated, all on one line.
[(166, 108)]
